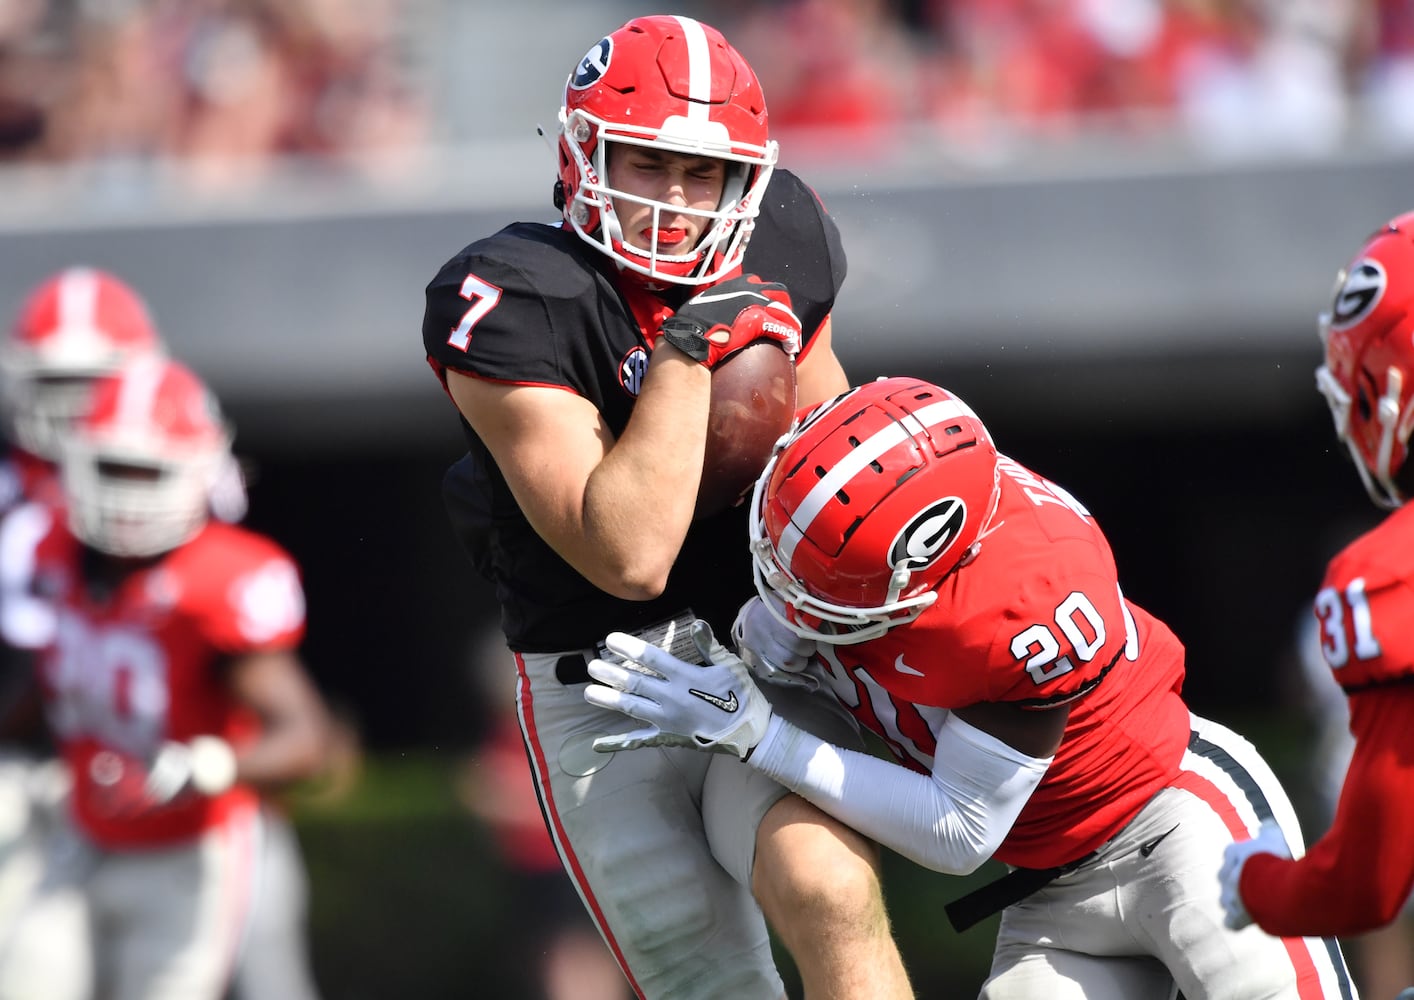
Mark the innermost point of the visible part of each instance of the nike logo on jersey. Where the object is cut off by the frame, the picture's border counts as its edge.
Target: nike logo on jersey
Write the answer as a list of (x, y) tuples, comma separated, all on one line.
[(725, 704), (1147, 848), (904, 668)]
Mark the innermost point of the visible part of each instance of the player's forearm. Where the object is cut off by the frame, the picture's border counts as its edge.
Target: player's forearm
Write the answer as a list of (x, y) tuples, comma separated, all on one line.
[(950, 821), (1358, 876), (293, 752), (1314, 898), (639, 501)]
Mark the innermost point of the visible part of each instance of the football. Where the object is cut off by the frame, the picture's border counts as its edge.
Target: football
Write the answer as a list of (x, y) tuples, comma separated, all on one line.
[(753, 402)]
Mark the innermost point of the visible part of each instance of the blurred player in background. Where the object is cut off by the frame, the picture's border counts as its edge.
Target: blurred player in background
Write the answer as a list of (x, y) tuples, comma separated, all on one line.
[(968, 611), (580, 358), (1358, 876), (175, 694), (74, 327)]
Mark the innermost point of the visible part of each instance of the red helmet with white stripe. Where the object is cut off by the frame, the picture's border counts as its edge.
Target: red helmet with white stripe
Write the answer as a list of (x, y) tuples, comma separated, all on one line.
[(76, 326), (140, 468), (868, 504), (1368, 374), (674, 84)]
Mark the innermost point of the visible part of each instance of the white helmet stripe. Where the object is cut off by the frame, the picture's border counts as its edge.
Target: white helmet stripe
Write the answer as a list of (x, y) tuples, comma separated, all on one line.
[(699, 70), (78, 299), (139, 392), (868, 451)]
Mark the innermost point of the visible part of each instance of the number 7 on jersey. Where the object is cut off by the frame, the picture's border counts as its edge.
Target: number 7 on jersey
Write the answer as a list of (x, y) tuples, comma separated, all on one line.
[(483, 297)]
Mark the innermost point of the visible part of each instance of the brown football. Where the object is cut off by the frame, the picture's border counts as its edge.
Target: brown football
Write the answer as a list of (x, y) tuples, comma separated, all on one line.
[(753, 402)]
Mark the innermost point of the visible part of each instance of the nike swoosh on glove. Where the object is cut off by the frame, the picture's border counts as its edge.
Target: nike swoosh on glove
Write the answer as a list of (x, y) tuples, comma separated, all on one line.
[(1269, 840), (709, 706)]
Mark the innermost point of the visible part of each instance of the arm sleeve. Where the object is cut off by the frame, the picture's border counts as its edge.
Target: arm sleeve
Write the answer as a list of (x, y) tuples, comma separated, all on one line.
[(950, 821), (1358, 876), (27, 621)]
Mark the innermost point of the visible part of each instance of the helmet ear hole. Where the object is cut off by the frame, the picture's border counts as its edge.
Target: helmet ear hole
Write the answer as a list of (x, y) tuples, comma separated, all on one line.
[(1364, 407), (558, 196)]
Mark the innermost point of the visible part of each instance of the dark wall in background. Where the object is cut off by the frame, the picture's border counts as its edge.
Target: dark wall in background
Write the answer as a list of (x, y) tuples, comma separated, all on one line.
[(393, 604)]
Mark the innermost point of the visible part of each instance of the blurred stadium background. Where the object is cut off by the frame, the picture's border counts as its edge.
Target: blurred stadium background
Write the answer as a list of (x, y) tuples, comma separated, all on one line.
[(1109, 224)]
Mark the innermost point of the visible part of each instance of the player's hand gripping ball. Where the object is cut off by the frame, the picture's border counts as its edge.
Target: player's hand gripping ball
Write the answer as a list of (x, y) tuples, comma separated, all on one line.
[(726, 317)]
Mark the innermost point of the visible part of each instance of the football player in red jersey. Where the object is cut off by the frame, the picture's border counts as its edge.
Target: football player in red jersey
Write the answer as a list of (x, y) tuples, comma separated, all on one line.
[(968, 611), (74, 327), (579, 356), (1359, 875), (173, 689)]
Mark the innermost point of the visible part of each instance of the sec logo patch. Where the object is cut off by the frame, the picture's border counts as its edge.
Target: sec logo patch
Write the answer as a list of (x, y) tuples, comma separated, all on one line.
[(632, 369)]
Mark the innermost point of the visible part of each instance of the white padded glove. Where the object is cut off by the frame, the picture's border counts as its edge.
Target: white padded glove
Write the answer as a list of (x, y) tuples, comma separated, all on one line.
[(709, 706), (124, 787), (773, 652), (1269, 840), (206, 765)]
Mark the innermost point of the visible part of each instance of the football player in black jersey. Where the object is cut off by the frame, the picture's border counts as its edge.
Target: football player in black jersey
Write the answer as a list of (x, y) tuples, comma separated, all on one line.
[(579, 356)]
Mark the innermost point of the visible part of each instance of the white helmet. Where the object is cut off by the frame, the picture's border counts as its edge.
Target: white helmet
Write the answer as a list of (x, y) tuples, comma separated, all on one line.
[(76, 326), (140, 468)]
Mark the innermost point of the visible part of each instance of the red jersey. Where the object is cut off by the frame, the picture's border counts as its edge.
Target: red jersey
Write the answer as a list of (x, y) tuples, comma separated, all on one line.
[(141, 665), (26, 476), (1358, 876), (1036, 619)]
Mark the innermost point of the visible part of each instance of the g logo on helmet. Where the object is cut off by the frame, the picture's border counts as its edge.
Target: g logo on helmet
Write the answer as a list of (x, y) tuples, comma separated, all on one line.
[(594, 65), (928, 534), (1358, 294)]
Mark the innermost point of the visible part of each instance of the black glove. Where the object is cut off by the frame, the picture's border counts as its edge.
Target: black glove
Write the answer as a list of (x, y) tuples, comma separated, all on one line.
[(719, 321)]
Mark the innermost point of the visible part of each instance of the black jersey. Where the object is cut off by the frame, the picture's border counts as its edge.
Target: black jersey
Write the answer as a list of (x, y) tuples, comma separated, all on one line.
[(535, 305)]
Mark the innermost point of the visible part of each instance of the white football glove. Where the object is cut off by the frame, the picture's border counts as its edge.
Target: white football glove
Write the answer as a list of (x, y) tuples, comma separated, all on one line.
[(773, 652), (206, 765), (709, 706), (1269, 840), (124, 787)]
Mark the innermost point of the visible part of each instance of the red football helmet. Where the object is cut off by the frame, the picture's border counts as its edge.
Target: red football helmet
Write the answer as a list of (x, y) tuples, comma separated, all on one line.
[(140, 468), (868, 504), (78, 325), (1368, 375), (674, 84)]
